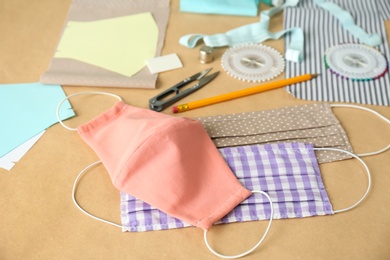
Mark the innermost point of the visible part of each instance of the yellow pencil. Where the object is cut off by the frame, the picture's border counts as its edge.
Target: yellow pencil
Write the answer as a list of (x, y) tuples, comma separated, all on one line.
[(242, 93)]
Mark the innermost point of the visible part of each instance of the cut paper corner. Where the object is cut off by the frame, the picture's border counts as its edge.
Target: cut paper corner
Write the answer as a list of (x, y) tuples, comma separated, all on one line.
[(9, 160), (164, 63), (66, 112)]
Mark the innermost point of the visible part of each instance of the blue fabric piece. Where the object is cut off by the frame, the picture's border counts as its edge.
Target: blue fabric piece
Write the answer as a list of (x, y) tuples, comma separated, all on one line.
[(225, 7)]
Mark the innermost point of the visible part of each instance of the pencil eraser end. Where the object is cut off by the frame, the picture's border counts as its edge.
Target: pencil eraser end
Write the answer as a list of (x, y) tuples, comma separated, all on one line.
[(175, 109)]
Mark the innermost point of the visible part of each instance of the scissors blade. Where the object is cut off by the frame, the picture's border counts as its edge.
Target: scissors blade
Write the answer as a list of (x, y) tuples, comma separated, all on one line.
[(187, 80), (202, 82), (201, 74), (205, 80)]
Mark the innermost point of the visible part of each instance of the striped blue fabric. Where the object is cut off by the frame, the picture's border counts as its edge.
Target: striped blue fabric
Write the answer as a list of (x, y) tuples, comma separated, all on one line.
[(322, 31)]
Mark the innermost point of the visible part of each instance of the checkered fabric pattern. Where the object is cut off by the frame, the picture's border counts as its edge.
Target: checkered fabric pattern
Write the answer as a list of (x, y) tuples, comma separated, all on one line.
[(288, 172)]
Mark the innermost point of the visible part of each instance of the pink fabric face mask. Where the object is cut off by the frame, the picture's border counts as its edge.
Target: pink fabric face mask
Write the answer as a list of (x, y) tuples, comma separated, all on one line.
[(168, 162)]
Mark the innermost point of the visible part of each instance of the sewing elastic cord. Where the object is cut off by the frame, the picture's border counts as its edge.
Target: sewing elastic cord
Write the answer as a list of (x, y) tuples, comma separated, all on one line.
[(78, 94), (373, 112), (254, 33), (255, 191), (258, 243), (205, 232), (348, 23), (75, 201), (368, 177)]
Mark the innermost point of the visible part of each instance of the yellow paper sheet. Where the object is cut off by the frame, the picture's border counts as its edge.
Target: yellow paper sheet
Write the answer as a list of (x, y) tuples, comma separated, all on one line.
[(120, 44)]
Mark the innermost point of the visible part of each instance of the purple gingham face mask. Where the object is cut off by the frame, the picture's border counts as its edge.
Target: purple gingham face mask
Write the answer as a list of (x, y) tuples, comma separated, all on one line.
[(287, 172)]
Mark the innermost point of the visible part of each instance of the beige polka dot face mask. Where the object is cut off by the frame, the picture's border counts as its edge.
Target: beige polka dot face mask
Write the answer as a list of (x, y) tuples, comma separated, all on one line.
[(311, 123)]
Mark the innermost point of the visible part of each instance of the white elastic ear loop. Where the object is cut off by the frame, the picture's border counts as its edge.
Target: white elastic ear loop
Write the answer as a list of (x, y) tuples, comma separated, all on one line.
[(78, 94), (368, 177), (75, 201), (373, 112), (258, 243)]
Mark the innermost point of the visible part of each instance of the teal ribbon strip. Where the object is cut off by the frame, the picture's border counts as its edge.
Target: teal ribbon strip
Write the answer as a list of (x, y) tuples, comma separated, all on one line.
[(348, 23), (254, 33)]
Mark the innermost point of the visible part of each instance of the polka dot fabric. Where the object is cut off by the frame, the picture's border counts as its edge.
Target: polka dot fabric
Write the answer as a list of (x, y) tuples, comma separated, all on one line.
[(311, 123)]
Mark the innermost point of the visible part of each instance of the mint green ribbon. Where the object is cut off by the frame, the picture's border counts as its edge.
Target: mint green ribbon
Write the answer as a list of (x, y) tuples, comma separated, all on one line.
[(254, 33), (348, 23)]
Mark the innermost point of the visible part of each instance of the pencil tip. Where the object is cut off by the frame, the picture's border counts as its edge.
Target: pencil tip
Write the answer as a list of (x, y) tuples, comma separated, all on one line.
[(314, 76)]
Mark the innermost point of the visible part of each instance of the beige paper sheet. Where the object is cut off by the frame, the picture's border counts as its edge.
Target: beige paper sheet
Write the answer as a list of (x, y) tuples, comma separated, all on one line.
[(87, 70)]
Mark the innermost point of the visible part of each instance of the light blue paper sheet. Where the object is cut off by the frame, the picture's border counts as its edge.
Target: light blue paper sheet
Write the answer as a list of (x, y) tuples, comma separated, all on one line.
[(26, 110)]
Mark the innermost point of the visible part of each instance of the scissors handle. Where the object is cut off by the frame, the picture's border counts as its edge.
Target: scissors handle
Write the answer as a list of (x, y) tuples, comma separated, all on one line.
[(159, 102), (156, 103), (173, 89)]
